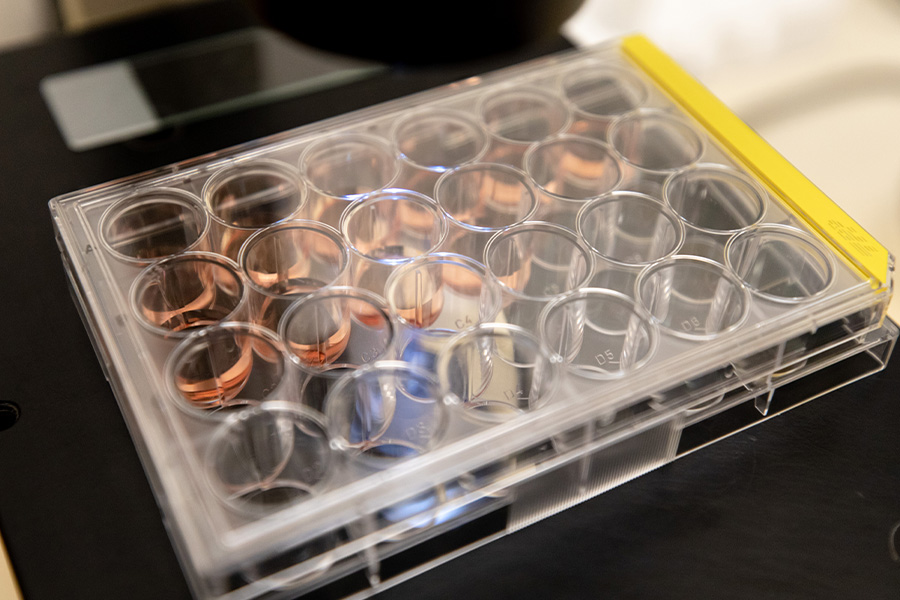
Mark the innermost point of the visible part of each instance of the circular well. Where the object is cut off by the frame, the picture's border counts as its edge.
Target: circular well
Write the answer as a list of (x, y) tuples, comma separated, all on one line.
[(254, 194), (571, 167), (523, 115), (270, 456), (153, 224), (597, 333), (439, 140), (186, 292), (629, 228), (780, 263), (693, 298), (655, 141), (223, 367), (603, 91), (715, 198), (348, 165)]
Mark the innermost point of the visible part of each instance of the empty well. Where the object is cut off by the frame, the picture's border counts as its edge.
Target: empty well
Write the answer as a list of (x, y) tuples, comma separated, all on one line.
[(153, 224), (495, 372), (603, 92), (630, 228), (715, 198), (780, 263), (522, 115), (254, 194), (268, 457), (598, 333), (693, 298), (655, 140), (439, 140), (384, 413)]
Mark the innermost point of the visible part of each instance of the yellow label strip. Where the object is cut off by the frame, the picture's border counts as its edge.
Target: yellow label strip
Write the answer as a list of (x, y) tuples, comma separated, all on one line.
[(795, 190)]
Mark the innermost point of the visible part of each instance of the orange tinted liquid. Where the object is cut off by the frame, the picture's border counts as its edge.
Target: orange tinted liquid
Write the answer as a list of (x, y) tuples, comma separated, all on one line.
[(369, 315), (206, 386), (194, 319), (427, 301), (271, 308), (330, 342)]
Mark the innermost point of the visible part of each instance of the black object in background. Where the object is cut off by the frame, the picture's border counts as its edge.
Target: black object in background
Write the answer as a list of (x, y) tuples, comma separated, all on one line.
[(418, 32)]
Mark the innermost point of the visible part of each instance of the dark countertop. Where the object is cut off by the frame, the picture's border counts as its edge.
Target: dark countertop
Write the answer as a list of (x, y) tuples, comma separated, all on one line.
[(802, 506)]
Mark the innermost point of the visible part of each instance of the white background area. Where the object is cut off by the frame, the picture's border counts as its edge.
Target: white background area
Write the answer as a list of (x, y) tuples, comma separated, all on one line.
[(23, 21)]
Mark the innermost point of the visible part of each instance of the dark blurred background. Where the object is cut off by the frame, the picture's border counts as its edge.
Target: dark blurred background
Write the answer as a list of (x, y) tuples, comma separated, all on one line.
[(396, 32)]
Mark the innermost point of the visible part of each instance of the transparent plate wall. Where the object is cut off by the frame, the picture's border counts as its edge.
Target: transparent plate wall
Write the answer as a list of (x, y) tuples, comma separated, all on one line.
[(435, 321)]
